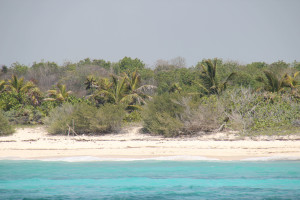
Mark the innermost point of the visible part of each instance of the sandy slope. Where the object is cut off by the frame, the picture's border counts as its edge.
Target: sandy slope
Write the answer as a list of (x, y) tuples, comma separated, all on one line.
[(35, 143)]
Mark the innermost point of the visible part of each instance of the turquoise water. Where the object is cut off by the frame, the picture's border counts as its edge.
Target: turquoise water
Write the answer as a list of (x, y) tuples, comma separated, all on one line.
[(149, 180)]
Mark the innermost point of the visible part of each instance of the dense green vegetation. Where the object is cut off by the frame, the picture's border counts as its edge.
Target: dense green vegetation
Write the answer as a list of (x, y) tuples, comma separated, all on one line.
[(98, 96), (5, 127)]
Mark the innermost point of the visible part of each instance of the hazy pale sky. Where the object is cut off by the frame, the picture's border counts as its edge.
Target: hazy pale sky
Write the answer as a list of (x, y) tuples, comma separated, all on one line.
[(70, 30)]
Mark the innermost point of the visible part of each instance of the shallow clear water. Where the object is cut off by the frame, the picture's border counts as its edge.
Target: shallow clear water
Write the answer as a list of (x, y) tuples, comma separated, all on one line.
[(150, 180)]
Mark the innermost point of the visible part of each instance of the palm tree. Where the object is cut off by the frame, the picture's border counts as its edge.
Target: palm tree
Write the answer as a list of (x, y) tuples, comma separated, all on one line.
[(273, 83), (2, 86), (18, 85), (124, 89), (175, 88), (60, 94), (209, 78), (19, 88), (291, 81), (113, 90), (134, 80), (137, 93), (35, 96), (90, 83)]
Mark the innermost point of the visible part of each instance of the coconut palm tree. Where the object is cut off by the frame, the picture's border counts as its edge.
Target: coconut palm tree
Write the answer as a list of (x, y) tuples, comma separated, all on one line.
[(175, 88), (210, 82), (35, 96), (60, 94), (137, 93), (2, 86), (273, 83), (18, 85), (291, 81), (90, 82), (124, 89), (19, 88), (112, 91)]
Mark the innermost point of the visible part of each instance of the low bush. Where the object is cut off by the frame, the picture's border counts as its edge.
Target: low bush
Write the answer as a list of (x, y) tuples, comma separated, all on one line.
[(109, 118), (252, 111), (25, 115), (163, 115), (240, 109), (9, 101), (205, 115), (174, 115), (134, 116), (281, 111), (82, 118), (5, 127)]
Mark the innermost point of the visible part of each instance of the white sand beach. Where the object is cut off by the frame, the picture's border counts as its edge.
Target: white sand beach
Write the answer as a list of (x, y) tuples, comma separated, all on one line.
[(35, 143)]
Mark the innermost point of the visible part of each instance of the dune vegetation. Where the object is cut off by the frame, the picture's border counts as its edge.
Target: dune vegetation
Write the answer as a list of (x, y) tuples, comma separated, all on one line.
[(169, 99)]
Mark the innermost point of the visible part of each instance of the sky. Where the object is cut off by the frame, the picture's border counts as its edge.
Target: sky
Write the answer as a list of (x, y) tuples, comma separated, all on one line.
[(70, 30)]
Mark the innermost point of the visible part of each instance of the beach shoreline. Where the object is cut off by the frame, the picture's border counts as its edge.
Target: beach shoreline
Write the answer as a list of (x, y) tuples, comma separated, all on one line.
[(34, 143)]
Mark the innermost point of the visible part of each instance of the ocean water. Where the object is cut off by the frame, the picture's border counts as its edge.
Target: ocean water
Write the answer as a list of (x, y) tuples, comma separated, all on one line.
[(148, 179)]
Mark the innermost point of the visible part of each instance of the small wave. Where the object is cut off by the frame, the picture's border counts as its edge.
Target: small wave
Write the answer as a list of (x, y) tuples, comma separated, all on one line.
[(273, 158), (91, 158)]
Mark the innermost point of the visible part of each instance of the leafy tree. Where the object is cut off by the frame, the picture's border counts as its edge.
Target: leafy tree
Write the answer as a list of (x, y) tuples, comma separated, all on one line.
[(297, 66), (86, 61), (19, 69), (4, 69), (102, 63), (278, 67), (51, 66), (258, 65), (128, 64)]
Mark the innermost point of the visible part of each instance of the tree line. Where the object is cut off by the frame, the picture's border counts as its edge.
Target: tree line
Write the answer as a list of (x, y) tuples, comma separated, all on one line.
[(169, 98)]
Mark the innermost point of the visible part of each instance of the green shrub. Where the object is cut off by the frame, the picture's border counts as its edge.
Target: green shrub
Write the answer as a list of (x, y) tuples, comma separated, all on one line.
[(282, 111), (9, 101), (59, 118), (252, 111), (47, 106), (134, 116), (174, 115), (163, 115), (109, 118), (82, 118), (25, 115), (205, 115), (5, 127)]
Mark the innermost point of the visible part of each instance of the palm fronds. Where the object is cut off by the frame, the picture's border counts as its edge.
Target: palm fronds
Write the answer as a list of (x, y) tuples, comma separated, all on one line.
[(210, 83), (60, 94), (273, 83)]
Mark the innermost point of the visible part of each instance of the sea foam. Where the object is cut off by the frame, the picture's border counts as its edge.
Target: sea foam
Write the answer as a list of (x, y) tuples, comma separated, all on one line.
[(273, 158), (92, 158)]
